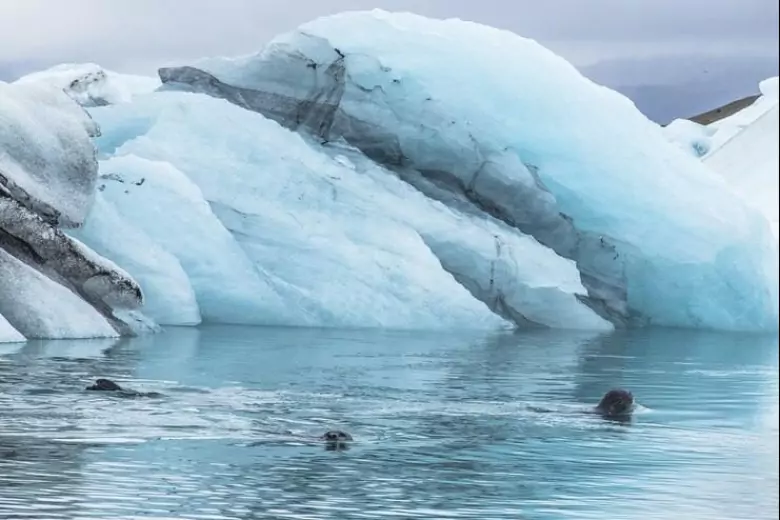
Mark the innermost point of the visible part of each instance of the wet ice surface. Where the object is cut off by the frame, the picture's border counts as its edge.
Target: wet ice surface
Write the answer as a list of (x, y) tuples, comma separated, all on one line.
[(444, 426)]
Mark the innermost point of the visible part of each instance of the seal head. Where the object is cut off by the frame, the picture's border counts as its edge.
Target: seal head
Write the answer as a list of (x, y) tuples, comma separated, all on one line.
[(336, 440), (105, 385), (616, 403)]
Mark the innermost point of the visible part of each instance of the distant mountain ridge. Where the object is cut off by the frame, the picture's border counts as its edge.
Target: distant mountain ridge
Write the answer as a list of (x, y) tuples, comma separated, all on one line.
[(687, 86)]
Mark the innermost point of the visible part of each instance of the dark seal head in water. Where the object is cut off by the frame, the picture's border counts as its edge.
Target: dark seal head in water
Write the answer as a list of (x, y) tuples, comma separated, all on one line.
[(336, 440), (616, 403), (105, 385)]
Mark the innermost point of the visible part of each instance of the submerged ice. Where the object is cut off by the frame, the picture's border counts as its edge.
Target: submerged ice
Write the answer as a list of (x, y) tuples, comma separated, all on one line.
[(337, 178)]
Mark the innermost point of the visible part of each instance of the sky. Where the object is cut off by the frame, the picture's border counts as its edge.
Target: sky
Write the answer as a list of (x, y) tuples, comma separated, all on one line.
[(142, 35)]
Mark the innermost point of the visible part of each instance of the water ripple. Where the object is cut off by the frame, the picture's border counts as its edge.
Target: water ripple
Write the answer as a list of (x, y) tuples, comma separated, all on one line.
[(446, 427)]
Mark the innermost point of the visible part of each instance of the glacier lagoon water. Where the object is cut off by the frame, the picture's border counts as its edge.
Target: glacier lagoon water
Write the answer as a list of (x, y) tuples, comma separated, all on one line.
[(446, 426)]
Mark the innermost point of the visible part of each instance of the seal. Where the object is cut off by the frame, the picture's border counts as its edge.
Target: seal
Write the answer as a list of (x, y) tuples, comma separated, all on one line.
[(617, 403), (336, 440), (333, 440), (106, 385)]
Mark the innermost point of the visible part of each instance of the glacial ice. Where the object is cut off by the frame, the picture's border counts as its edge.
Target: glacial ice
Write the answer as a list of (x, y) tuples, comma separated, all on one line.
[(38, 307), (168, 295), (342, 241), (745, 152), (8, 334), (164, 203), (749, 162), (524, 139), (47, 161), (91, 85), (48, 170), (692, 137), (371, 170), (742, 148)]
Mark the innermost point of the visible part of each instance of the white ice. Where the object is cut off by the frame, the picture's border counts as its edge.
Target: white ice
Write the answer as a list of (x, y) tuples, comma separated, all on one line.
[(694, 138), (8, 334), (168, 295), (746, 152), (47, 161), (453, 92), (331, 238), (728, 127), (91, 85), (742, 148), (169, 208), (38, 307)]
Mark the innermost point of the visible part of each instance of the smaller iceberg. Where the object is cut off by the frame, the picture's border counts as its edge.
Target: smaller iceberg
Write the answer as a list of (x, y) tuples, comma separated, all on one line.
[(745, 152), (53, 286), (91, 85)]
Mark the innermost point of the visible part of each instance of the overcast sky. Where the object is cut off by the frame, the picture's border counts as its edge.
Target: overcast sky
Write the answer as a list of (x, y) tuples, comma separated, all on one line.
[(139, 35), (736, 38)]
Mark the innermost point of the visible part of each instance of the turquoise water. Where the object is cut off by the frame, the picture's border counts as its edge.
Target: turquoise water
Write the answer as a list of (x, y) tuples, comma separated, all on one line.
[(445, 426)]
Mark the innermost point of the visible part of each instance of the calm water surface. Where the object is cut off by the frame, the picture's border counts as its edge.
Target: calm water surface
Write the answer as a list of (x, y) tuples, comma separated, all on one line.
[(446, 426)]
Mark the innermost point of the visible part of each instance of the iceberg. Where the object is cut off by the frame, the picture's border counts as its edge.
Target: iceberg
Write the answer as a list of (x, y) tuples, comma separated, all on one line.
[(169, 208), (745, 152), (742, 148), (91, 85), (370, 169), (8, 334), (53, 286), (169, 298), (48, 161), (38, 307), (315, 237), (524, 141)]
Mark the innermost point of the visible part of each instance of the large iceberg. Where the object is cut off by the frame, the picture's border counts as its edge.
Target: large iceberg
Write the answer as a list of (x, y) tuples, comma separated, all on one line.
[(377, 170), (296, 234), (497, 127)]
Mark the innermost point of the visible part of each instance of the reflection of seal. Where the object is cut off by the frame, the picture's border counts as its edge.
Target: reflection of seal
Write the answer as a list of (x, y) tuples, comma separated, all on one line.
[(617, 403), (106, 385), (336, 440)]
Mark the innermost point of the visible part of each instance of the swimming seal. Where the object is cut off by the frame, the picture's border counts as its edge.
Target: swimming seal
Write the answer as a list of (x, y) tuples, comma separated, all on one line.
[(336, 440), (106, 385), (616, 404)]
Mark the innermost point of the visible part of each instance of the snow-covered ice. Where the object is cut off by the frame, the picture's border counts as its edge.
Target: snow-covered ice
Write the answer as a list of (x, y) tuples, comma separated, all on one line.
[(692, 137), (745, 152), (91, 85), (53, 285), (742, 148), (47, 161)]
